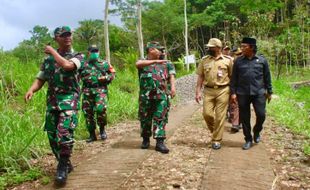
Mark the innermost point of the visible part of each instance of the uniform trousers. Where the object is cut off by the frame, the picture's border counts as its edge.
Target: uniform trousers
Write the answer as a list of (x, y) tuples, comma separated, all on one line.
[(215, 103)]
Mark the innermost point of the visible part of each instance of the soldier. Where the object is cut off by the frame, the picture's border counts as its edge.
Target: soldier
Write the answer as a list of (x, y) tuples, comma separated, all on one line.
[(96, 75), (154, 74), (226, 51), (60, 71), (214, 73), (251, 83)]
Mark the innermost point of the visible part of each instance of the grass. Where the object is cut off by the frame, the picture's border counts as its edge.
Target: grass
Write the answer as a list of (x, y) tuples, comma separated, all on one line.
[(291, 108), (21, 125)]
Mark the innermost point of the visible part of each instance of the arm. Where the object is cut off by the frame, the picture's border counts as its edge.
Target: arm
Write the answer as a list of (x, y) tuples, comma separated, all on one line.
[(110, 76), (172, 86), (36, 85), (67, 65), (233, 83), (267, 81), (144, 63), (198, 88)]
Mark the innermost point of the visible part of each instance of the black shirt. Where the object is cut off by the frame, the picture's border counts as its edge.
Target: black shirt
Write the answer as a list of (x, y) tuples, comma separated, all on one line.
[(251, 76)]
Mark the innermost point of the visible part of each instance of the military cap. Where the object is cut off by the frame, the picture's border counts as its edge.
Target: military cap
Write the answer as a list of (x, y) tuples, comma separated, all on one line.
[(154, 44), (62, 30), (93, 48), (248, 40), (236, 51), (214, 42)]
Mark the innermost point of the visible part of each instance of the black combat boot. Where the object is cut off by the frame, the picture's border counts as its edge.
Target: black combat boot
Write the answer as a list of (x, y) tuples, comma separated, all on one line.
[(92, 137), (103, 134), (145, 143), (160, 146), (62, 170)]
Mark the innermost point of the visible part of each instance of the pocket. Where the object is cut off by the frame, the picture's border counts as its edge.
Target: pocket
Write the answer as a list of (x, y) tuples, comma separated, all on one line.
[(147, 82)]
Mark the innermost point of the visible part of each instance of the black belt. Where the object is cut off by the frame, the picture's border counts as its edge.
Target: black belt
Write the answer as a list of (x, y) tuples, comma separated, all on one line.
[(216, 86)]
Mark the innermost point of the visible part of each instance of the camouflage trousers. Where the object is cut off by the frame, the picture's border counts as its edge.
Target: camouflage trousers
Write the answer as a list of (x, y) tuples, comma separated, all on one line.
[(153, 113), (60, 126), (95, 102)]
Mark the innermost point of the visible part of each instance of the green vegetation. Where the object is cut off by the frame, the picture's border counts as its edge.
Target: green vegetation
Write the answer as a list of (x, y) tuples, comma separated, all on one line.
[(291, 107), (281, 27), (21, 133)]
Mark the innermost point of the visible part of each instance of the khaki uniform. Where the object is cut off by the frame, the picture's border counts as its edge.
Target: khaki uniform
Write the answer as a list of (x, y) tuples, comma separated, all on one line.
[(216, 75)]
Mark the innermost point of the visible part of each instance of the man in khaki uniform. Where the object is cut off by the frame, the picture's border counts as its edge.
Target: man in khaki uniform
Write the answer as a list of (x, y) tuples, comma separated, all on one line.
[(214, 72)]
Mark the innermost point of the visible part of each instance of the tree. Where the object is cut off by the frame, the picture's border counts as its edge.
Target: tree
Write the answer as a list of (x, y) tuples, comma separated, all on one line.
[(186, 36), (106, 32), (139, 29)]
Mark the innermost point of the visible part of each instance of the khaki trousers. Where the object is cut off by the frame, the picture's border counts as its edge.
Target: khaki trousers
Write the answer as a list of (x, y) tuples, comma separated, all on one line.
[(215, 103)]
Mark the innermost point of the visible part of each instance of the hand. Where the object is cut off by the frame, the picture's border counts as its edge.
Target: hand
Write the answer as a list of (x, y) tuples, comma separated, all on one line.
[(268, 97), (198, 98), (28, 96), (161, 61), (49, 49), (102, 78), (172, 92), (233, 98)]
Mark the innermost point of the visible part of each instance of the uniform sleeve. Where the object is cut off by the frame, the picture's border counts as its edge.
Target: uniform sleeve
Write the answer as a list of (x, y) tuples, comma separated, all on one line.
[(42, 74), (267, 77), (77, 60), (171, 69), (111, 72), (200, 69)]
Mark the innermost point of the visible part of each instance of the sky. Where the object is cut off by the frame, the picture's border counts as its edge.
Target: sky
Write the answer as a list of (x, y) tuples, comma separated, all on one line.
[(18, 17)]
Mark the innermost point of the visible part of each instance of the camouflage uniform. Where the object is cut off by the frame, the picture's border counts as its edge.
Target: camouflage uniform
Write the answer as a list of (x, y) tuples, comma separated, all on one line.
[(95, 93), (62, 102), (170, 68), (153, 99)]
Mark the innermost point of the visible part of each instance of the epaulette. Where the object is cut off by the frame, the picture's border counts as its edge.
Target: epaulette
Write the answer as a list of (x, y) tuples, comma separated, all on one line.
[(205, 57), (227, 56)]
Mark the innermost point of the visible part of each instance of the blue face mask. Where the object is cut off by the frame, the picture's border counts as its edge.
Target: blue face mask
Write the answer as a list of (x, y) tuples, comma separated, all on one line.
[(93, 56)]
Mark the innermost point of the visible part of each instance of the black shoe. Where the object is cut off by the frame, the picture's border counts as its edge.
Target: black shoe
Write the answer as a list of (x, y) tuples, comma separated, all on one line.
[(256, 137), (216, 145), (62, 170), (160, 146), (235, 129), (247, 145), (103, 134), (92, 137), (145, 143)]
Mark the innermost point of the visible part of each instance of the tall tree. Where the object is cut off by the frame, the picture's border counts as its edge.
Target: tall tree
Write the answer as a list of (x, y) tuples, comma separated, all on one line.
[(186, 35), (139, 29), (106, 32)]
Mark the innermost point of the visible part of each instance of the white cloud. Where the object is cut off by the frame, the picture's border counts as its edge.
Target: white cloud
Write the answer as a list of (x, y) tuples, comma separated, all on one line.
[(18, 17)]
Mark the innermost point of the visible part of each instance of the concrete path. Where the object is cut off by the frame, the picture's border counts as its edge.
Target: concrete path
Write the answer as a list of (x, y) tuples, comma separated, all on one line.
[(108, 170), (233, 168)]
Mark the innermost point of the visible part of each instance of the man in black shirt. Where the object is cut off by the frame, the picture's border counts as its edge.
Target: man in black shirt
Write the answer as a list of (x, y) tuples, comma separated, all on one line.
[(251, 83)]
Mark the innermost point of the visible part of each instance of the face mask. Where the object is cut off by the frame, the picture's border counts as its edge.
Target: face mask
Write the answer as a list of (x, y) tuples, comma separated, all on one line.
[(211, 52), (93, 56)]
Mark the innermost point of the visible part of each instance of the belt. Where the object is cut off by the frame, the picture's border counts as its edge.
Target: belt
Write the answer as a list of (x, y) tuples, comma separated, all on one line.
[(216, 86)]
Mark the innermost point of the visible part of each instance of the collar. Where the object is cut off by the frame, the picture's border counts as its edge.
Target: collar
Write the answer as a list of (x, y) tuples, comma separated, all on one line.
[(254, 57)]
